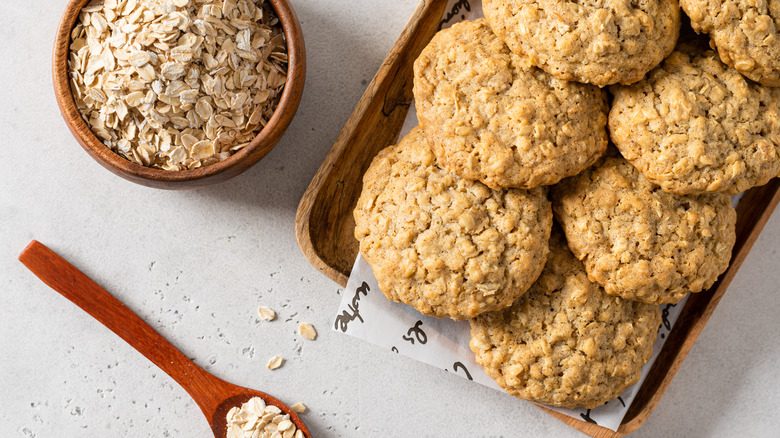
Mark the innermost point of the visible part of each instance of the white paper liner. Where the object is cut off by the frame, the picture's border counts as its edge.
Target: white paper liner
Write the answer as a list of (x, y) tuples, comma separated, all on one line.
[(366, 314)]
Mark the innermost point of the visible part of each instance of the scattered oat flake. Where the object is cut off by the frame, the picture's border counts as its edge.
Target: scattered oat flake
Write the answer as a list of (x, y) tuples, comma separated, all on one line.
[(307, 331), (298, 408), (266, 313), (275, 362)]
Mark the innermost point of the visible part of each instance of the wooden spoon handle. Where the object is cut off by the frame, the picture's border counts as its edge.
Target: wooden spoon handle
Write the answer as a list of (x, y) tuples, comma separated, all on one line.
[(93, 299)]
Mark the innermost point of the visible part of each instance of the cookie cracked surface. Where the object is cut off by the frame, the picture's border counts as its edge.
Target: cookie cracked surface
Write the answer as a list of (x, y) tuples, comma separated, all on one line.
[(447, 246), (696, 125), (639, 242), (566, 343), (598, 42), (746, 34), (490, 116)]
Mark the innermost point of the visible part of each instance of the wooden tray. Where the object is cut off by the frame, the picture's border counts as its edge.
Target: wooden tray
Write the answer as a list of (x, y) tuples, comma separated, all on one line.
[(324, 224)]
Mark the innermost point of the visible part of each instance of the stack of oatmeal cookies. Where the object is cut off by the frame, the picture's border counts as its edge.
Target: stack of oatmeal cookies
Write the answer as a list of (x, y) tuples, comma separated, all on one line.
[(456, 220)]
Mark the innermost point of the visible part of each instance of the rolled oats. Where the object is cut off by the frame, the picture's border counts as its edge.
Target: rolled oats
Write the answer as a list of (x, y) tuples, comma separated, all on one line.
[(177, 85), (255, 419), (274, 363), (307, 331), (266, 313)]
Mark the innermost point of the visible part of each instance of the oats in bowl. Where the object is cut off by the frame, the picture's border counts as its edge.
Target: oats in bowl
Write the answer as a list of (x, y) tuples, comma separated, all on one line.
[(179, 84)]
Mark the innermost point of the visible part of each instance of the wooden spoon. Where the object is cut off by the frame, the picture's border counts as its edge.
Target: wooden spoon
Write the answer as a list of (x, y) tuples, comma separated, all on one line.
[(214, 396)]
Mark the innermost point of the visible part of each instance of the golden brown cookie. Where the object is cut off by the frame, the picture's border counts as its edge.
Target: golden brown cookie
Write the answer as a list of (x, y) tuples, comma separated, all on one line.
[(598, 42), (491, 117), (696, 125), (639, 242), (565, 342), (447, 246), (746, 34)]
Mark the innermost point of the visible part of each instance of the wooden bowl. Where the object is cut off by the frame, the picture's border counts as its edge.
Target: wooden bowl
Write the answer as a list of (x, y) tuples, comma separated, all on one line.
[(265, 140)]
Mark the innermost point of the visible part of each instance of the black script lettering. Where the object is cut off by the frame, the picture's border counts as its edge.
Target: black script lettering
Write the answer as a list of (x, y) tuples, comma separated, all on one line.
[(457, 365), (455, 11), (586, 417), (422, 338), (343, 320), (665, 316)]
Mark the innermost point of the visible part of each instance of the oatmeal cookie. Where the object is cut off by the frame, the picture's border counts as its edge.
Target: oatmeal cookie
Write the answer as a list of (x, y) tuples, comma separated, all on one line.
[(639, 242), (447, 246), (491, 117), (746, 34), (696, 125), (565, 342), (598, 42)]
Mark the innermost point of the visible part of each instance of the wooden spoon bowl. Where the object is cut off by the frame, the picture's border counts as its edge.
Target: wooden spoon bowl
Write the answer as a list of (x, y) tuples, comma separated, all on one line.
[(214, 396), (242, 160)]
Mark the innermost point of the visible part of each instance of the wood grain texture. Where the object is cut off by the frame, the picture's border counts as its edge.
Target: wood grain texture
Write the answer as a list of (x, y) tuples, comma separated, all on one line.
[(324, 224), (242, 160), (214, 396)]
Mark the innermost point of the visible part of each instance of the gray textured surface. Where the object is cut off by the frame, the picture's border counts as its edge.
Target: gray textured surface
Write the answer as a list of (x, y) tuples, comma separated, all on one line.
[(197, 264)]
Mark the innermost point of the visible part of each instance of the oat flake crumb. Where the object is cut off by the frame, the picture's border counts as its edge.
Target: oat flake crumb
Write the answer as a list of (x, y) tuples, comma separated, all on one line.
[(275, 362), (307, 331), (266, 313)]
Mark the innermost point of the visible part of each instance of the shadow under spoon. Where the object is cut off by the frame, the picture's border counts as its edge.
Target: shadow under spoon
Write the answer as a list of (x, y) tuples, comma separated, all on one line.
[(214, 396)]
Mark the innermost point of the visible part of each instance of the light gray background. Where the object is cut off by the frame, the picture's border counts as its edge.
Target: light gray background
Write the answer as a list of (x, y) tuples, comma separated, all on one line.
[(196, 265)]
